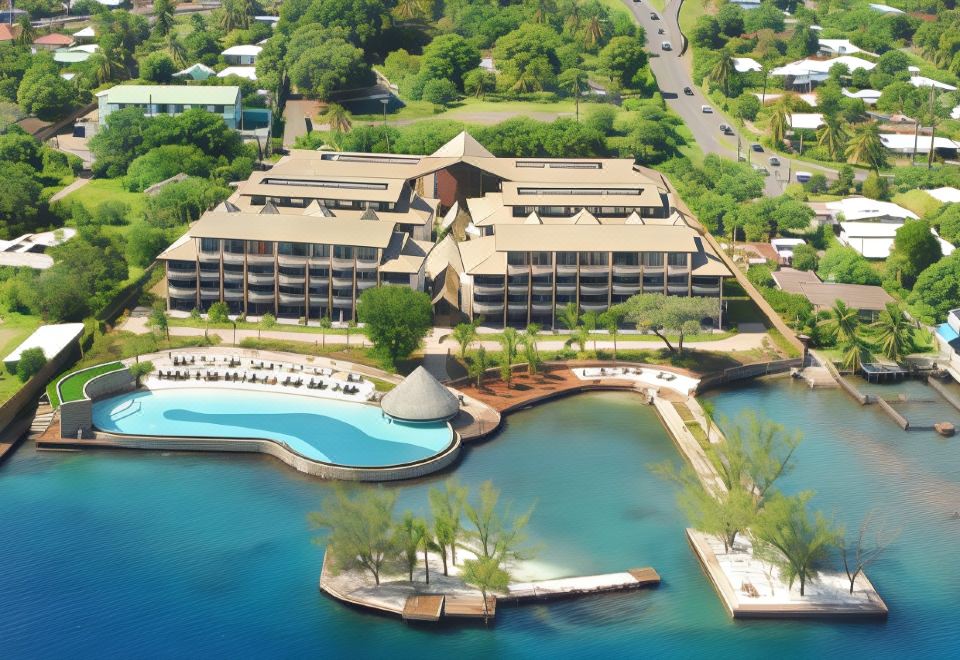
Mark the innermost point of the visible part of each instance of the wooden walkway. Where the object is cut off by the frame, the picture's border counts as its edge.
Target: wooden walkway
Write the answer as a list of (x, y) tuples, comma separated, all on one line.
[(634, 578), (423, 607)]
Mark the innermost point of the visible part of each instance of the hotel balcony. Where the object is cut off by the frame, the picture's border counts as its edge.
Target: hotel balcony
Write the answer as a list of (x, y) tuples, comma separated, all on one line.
[(323, 281), (677, 289), (677, 270), (255, 297), (260, 278), (569, 289), (233, 294), (293, 280), (231, 276), (292, 299), (291, 260), (517, 270), (343, 282), (543, 289), (487, 290), (209, 276), (260, 259), (542, 307), (342, 301), (181, 292), (593, 306), (487, 308), (516, 307), (594, 270), (367, 264), (213, 255), (706, 290), (518, 289), (626, 270), (319, 262), (232, 258), (363, 285), (541, 270), (594, 289), (189, 282), (173, 271), (210, 294), (346, 264), (626, 289)]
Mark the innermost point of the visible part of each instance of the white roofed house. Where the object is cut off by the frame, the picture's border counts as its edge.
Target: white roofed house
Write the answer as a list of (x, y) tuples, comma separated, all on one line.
[(248, 72), (834, 47), (923, 81), (172, 100), (946, 195), (885, 9), (806, 120), (868, 96), (905, 143), (870, 226), (196, 71), (746, 64), (803, 73), (244, 55)]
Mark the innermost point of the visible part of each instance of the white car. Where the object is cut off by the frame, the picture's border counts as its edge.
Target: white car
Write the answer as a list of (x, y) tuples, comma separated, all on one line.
[(706, 109), (666, 45), (803, 177)]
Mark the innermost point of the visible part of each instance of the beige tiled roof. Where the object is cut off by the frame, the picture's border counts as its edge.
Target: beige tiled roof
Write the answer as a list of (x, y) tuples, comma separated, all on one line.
[(595, 238), (636, 193), (480, 256), (298, 229), (404, 254)]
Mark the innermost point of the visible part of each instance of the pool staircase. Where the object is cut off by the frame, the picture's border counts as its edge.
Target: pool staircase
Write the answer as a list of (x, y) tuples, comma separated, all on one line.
[(41, 420)]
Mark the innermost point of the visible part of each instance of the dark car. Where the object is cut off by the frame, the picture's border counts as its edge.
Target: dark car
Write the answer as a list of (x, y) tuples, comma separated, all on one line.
[(756, 147), (688, 91), (653, 16)]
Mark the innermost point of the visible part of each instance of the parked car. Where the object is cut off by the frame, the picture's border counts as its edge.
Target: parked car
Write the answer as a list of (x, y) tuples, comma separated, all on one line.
[(653, 16), (706, 109), (761, 169), (659, 30), (803, 177), (724, 128), (757, 147), (665, 45), (773, 160), (688, 91)]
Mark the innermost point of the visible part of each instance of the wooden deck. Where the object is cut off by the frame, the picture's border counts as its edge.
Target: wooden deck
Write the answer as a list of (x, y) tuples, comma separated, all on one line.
[(462, 606), (423, 607), (633, 578)]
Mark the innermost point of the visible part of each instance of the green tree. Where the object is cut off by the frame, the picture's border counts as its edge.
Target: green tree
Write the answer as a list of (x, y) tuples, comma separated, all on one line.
[(865, 147), (140, 369), (574, 81), (497, 533), (531, 352), (918, 249), (465, 334), (43, 92), (842, 323), (478, 82), (159, 320), (793, 540), (20, 205), (804, 257), (218, 312), (937, 289), (623, 57), (409, 536), (439, 91), (31, 361), (479, 365), (163, 19), (329, 67), (892, 332), (450, 57), (723, 71), (267, 322), (527, 57), (723, 514), (157, 67), (611, 320), (748, 106), (360, 529), (569, 316), (832, 138), (486, 574), (338, 118), (446, 509), (663, 315), (396, 319), (845, 265), (859, 552), (780, 120)]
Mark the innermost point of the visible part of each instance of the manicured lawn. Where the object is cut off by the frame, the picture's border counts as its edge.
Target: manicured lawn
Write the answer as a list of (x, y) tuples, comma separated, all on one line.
[(72, 386), (280, 327), (14, 328), (918, 201), (101, 190)]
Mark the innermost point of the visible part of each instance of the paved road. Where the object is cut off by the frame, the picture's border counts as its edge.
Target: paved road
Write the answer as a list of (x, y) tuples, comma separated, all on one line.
[(673, 74)]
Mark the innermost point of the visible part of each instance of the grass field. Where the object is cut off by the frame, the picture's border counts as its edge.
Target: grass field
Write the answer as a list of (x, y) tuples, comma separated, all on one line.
[(14, 328), (72, 386), (100, 190)]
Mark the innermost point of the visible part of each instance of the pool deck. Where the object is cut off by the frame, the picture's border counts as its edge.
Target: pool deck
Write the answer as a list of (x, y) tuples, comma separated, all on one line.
[(448, 597)]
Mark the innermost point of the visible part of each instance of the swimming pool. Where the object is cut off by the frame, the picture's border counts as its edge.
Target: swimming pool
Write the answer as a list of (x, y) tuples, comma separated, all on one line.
[(325, 430)]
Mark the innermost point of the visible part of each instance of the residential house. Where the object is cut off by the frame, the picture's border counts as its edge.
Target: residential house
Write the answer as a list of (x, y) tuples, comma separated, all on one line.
[(804, 73), (52, 41), (244, 55), (172, 100), (196, 71)]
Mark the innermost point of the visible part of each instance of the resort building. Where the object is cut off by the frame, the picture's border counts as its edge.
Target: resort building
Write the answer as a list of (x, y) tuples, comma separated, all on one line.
[(172, 100), (522, 237), (804, 73)]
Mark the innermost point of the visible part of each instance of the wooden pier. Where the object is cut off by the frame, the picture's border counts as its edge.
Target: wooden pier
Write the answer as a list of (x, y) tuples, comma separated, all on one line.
[(423, 607), (634, 578)]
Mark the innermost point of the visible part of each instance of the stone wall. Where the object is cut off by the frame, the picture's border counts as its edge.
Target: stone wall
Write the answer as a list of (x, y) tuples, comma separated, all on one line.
[(78, 415)]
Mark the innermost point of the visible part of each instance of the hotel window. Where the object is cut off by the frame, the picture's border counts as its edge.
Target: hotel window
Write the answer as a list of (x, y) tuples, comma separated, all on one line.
[(342, 252), (677, 259), (566, 258), (319, 250), (541, 258), (517, 258), (366, 253), (292, 249), (233, 246), (626, 259), (260, 247), (653, 259), (593, 258), (209, 245)]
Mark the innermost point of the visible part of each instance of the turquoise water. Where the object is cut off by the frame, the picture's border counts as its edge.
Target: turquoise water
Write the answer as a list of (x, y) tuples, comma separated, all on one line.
[(123, 554), (322, 429)]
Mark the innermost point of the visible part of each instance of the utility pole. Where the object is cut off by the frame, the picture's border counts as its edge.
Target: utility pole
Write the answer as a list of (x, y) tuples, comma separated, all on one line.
[(933, 128), (385, 134)]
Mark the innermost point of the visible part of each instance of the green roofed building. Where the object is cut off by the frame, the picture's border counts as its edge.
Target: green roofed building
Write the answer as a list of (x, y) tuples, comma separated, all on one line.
[(172, 100)]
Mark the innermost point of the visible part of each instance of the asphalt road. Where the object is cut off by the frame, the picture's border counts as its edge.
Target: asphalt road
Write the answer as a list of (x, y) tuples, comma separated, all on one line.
[(673, 74)]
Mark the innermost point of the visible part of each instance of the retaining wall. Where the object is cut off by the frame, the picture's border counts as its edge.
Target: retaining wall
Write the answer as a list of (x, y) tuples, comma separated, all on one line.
[(77, 416), (749, 371)]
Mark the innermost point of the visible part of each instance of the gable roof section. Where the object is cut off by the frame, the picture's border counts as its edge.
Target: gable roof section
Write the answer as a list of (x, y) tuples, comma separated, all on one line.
[(463, 145)]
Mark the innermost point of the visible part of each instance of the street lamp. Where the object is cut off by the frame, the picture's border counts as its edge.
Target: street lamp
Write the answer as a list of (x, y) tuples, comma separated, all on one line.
[(234, 331), (384, 102)]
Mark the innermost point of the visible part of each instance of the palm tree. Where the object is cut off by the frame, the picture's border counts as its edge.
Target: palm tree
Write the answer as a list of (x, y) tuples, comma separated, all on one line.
[(478, 367), (780, 121), (570, 316), (723, 71), (543, 10), (509, 340), (236, 14), (832, 137), (865, 147), (611, 320), (893, 332), (465, 334), (594, 32), (338, 118), (27, 32), (177, 52), (854, 354), (528, 81), (572, 24), (407, 10), (162, 17), (531, 351), (575, 82), (579, 337), (843, 324)]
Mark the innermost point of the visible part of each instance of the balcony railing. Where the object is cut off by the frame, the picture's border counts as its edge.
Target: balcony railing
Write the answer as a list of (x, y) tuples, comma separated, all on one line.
[(209, 276), (260, 278), (256, 297), (346, 264), (626, 270), (260, 259), (566, 270), (292, 279), (180, 270), (543, 289), (232, 258), (594, 289), (706, 290), (182, 292), (487, 308), (342, 301), (365, 284), (291, 260), (594, 270), (210, 294), (233, 294), (367, 264), (593, 306), (488, 290), (292, 299), (626, 289), (231, 276)]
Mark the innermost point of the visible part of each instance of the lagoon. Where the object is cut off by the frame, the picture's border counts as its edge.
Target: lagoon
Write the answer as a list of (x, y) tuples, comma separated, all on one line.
[(142, 554)]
